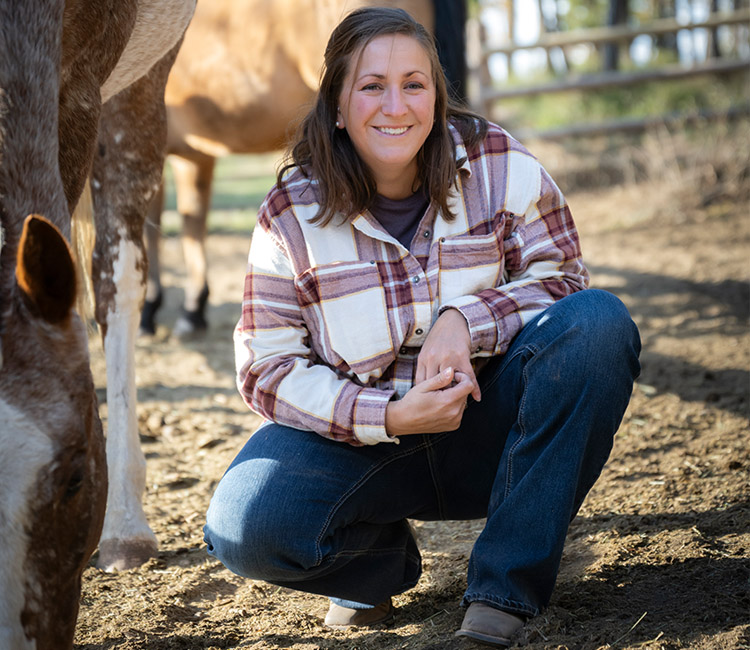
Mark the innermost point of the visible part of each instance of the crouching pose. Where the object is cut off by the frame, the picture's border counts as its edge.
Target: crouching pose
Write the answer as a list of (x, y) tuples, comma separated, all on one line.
[(418, 333)]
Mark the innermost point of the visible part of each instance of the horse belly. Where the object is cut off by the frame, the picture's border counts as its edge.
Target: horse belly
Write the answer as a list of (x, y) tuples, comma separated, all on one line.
[(159, 26), (248, 110)]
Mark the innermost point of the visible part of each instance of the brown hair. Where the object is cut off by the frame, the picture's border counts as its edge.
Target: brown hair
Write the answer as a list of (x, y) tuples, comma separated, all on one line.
[(325, 153)]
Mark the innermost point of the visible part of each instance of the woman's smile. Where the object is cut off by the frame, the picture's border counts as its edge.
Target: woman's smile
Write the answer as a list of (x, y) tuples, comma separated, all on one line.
[(392, 130)]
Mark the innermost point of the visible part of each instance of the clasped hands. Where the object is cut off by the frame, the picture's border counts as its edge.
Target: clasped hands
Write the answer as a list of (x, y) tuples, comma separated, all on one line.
[(445, 379)]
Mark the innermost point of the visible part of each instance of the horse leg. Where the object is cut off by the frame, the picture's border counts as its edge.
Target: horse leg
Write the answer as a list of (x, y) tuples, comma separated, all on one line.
[(193, 179), (125, 177), (153, 300)]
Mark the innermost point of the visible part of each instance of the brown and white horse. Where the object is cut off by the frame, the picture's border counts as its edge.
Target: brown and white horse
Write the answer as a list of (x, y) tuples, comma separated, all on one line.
[(244, 76), (67, 68)]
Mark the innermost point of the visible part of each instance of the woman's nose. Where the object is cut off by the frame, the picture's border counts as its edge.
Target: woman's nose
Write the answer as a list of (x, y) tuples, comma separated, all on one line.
[(393, 102)]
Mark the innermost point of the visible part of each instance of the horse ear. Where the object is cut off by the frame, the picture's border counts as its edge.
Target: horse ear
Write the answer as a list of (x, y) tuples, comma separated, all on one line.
[(45, 270)]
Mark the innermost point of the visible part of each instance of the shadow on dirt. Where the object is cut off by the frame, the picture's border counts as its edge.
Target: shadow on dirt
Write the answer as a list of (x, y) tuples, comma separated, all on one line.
[(658, 304), (686, 598), (705, 595), (715, 306), (717, 522)]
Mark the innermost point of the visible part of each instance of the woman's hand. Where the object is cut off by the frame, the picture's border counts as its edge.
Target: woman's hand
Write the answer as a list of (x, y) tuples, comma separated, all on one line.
[(448, 345), (435, 405)]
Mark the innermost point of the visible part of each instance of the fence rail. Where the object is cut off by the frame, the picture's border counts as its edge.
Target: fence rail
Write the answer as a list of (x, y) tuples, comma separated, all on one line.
[(620, 33), (487, 92), (601, 80)]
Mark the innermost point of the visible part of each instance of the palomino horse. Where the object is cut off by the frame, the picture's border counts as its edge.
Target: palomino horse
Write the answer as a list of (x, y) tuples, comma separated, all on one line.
[(60, 61), (243, 77)]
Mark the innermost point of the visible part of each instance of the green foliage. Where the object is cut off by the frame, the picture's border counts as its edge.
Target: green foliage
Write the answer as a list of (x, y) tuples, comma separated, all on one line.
[(585, 13), (582, 14)]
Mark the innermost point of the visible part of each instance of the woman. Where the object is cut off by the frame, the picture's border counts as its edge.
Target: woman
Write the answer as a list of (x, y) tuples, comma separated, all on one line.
[(415, 278)]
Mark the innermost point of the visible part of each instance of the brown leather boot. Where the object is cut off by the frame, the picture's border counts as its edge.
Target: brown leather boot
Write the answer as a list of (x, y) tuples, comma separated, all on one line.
[(341, 618), (489, 626)]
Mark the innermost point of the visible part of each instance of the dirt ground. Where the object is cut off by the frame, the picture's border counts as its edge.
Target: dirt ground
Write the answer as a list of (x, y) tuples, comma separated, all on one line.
[(658, 557)]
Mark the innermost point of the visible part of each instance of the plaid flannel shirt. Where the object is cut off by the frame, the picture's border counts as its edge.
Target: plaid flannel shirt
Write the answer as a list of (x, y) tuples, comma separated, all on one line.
[(333, 317)]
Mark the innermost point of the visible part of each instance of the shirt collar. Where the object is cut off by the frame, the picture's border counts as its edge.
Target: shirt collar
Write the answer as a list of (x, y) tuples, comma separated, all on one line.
[(460, 149)]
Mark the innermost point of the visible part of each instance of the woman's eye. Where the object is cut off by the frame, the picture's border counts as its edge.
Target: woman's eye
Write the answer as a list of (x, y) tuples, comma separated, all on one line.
[(414, 85), (372, 87)]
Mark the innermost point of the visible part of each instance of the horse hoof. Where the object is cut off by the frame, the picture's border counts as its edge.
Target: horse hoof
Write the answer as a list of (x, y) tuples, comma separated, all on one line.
[(147, 325), (121, 554), (190, 326)]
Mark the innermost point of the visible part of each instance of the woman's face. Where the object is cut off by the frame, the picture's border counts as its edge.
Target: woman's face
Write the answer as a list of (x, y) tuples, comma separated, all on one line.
[(387, 106)]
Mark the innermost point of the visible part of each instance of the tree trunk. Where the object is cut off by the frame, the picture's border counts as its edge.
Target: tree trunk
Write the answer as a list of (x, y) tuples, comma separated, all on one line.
[(551, 24), (666, 9), (713, 36), (618, 15)]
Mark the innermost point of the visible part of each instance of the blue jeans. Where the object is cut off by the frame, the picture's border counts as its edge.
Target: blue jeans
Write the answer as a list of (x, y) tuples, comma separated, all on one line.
[(301, 511)]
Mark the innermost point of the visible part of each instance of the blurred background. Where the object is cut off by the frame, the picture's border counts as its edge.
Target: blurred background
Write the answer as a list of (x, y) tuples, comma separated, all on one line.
[(602, 91), (612, 64)]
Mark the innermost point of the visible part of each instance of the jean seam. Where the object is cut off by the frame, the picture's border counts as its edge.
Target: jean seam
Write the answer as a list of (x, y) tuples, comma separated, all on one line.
[(509, 466), (435, 482), (521, 427), (355, 486)]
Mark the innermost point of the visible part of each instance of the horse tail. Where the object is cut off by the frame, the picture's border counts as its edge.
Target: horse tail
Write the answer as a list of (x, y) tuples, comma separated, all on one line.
[(83, 238)]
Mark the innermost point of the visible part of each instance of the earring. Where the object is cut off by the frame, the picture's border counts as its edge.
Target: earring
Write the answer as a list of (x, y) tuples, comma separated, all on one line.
[(338, 126)]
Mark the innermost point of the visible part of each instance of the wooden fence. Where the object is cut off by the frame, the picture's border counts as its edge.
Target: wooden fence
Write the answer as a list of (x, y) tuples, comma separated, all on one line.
[(484, 92)]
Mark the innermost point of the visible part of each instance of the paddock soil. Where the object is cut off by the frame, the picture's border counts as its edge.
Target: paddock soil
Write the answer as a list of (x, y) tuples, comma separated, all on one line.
[(659, 555)]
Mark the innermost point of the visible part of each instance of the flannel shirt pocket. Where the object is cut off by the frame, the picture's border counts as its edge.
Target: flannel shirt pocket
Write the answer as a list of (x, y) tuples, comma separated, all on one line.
[(355, 328), (469, 265)]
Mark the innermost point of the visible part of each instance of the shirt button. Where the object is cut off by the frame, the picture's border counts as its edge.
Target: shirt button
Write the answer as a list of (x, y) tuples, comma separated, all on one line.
[(402, 350), (426, 234), (418, 331), (415, 279)]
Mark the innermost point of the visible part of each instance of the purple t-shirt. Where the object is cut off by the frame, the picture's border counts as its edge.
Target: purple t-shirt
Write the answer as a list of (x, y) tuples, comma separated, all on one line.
[(400, 217)]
